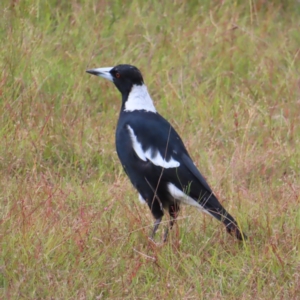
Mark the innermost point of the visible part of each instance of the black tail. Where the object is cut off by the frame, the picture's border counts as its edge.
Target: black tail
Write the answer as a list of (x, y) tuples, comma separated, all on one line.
[(232, 227), (214, 207)]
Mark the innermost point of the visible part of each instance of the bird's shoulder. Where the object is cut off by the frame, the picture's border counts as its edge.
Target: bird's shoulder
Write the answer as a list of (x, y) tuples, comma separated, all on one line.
[(151, 130)]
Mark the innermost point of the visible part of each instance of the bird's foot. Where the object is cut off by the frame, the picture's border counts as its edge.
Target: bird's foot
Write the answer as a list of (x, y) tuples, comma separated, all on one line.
[(154, 243)]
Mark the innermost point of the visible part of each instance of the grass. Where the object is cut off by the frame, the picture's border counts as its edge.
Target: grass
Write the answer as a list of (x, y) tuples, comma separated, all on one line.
[(225, 73)]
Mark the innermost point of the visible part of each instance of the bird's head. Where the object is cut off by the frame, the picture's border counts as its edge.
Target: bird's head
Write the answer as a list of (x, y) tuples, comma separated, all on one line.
[(129, 81), (123, 76)]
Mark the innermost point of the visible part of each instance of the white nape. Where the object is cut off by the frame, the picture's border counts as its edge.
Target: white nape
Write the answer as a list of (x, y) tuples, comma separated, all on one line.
[(156, 159), (142, 200), (139, 99), (180, 196)]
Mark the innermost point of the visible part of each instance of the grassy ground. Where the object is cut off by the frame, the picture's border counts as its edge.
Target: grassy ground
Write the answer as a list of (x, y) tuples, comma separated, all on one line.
[(225, 73)]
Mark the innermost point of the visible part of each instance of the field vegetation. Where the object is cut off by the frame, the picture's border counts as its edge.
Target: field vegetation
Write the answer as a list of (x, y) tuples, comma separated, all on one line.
[(224, 73)]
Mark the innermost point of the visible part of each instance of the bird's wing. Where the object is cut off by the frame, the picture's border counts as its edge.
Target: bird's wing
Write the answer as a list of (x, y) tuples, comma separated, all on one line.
[(154, 140), (193, 169)]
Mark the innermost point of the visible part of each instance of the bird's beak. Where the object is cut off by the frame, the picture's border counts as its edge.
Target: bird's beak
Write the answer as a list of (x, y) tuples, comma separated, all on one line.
[(103, 72)]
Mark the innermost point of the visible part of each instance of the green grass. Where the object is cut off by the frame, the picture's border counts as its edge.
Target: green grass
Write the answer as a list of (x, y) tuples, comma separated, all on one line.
[(225, 73)]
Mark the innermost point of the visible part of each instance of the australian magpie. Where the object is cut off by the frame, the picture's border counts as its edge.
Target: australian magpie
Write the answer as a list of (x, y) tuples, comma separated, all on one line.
[(154, 156)]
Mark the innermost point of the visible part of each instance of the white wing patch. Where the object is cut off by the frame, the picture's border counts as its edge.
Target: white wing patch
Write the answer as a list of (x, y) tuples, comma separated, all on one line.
[(158, 160), (136, 145), (154, 156), (179, 195), (142, 200), (139, 99)]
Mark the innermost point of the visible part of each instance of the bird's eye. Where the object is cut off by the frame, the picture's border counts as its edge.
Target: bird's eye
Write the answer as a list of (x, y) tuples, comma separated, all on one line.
[(118, 75)]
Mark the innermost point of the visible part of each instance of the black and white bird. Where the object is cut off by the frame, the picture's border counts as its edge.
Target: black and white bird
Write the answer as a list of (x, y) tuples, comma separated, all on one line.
[(154, 156)]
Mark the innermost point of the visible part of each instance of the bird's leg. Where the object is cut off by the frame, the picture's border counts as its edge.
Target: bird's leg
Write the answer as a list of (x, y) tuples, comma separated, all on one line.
[(173, 211), (156, 224), (157, 211), (171, 223)]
